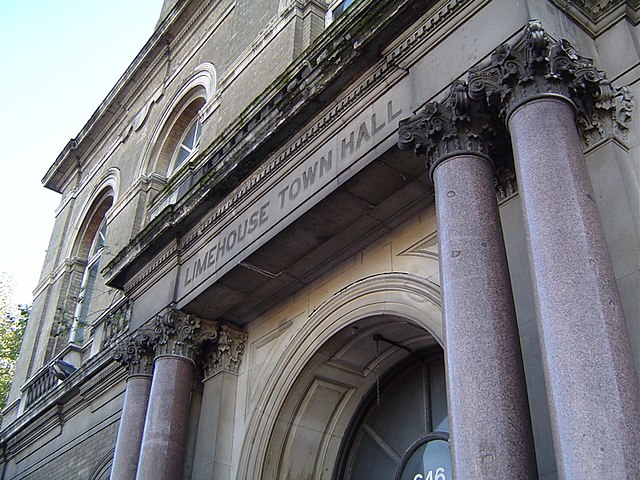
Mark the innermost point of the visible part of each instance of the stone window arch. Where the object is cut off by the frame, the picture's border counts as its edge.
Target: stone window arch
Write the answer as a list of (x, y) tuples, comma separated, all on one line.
[(184, 120), (185, 115), (89, 247)]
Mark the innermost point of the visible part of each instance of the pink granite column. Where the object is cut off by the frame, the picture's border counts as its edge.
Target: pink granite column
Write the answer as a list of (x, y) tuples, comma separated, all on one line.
[(165, 429), (167, 422), (136, 355), (125, 460), (490, 426), (491, 436), (545, 88), (590, 374)]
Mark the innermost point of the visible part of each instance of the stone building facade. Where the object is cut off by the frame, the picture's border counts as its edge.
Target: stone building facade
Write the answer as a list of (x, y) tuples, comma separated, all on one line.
[(369, 239)]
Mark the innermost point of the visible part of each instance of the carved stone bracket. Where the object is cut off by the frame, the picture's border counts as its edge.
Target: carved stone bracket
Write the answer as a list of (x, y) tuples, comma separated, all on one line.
[(135, 353), (458, 125), (225, 353), (538, 65)]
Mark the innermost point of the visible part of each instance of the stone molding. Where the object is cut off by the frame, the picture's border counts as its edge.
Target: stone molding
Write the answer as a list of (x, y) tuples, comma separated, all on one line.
[(596, 16), (539, 66), (226, 353), (309, 75)]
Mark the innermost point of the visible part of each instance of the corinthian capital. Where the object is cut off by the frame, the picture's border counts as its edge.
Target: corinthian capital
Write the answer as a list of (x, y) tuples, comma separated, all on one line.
[(175, 333), (537, 66), (225, 353), (135, 353), (456, 126)]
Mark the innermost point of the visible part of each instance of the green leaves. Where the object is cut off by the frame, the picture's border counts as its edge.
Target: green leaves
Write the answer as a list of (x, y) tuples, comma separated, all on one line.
[(13, 321)]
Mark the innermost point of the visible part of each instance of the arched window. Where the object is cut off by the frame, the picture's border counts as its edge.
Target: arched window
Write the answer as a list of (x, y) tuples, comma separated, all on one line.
[(188, 145), (88, 285), (182, 134), (181, 123), (91, 247), (402, 431)]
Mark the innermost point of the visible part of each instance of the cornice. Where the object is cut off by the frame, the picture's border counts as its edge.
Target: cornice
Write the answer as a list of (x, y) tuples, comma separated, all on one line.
[(596, 16), (151, 55), (342, 52)]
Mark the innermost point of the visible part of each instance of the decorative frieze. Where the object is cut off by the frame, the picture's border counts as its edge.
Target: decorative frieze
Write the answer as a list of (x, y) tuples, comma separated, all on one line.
[(226, 353), (595, 16), (538, 65)]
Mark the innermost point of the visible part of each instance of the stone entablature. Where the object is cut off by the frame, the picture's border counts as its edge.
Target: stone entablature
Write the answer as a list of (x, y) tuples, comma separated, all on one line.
[(598, 15), (267, 119)]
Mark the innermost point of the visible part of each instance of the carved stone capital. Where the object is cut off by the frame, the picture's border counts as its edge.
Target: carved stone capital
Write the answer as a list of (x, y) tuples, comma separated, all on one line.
[(539, 66), (225, 353), (135, 353), (176, 333), (456, 126)]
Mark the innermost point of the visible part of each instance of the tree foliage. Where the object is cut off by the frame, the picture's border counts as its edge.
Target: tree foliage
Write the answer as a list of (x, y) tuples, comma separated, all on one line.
[(13, 320)]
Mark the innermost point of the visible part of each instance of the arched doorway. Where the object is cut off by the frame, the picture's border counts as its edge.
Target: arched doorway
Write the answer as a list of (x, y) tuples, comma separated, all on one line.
[(376, 373), (303, 403)]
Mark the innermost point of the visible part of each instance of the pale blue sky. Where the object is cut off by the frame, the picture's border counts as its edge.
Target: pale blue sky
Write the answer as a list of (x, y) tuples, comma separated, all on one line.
[(58, 61)]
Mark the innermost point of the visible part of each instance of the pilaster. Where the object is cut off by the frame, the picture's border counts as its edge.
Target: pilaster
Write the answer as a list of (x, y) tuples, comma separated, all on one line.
[(221, 363)]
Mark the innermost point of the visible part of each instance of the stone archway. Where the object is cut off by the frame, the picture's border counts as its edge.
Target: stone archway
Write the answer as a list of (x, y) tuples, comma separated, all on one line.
[(306, 404), (310, 428)]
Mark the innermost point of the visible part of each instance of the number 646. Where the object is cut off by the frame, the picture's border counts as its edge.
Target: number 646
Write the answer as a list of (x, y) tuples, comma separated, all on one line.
[(431, 475)]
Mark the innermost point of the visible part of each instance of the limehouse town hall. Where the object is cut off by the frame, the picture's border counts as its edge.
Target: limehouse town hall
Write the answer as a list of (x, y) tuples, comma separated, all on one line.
[(346, 240)]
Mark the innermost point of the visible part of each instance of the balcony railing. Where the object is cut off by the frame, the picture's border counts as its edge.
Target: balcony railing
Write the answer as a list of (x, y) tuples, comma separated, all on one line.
[(106, 332), (41, 384), (114, 324)]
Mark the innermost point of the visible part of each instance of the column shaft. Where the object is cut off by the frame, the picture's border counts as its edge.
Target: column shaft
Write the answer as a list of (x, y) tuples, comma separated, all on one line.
[(136, 398), (165, 429), (590, 376), (490, 425)]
